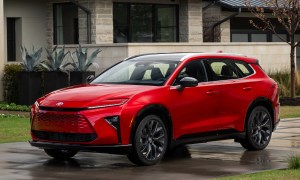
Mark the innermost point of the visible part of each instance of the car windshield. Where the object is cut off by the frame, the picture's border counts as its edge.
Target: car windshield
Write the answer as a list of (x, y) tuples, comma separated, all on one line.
[(142, 70)]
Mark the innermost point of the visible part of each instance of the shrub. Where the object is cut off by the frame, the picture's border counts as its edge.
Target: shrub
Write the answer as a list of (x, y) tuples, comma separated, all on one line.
[(10, 86), (294, 162), (284, 83), (14, 107)]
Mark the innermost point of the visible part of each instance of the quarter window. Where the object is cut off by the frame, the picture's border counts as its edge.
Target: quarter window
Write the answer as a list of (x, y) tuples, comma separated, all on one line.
[(244, 68)]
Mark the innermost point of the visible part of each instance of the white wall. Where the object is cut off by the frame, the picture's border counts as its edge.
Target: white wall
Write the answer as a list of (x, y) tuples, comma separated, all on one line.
[(33, 21), (272, 57)]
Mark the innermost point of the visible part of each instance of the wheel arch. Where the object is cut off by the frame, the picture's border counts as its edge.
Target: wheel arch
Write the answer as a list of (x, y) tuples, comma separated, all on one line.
[(261, 101), (154, 109)]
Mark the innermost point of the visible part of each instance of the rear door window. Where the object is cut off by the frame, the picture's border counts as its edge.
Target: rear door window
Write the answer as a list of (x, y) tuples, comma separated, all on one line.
[(221, 70)]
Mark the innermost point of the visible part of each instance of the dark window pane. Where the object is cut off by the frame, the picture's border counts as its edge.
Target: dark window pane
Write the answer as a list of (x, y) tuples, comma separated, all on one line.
[(145, 23), (66, 30), (166, 24), (11, 39), (239, 38), (141, 23), (120, 15), (258, 37)]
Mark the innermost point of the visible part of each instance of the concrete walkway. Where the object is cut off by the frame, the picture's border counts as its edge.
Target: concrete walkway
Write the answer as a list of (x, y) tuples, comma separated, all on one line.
[(199, 161)]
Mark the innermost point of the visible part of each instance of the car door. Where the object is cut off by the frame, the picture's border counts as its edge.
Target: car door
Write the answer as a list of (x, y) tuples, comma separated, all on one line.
[(194, 109), (235, 93)]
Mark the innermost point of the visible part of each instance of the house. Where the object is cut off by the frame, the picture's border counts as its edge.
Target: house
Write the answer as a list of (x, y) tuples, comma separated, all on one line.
[(123, 28)]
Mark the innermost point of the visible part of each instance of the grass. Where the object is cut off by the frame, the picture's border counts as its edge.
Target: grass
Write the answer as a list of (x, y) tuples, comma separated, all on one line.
[(291, 174), (14, 129), (289, 112), (294, 162)]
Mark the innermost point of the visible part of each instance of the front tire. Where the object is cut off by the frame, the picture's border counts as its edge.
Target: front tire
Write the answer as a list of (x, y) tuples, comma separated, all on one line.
[(258, 129), (60, 154), (150, 141)]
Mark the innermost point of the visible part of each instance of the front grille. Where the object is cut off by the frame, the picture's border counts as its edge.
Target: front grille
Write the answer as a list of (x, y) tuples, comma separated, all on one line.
[(61, 122), (61, 109), (66, 137)]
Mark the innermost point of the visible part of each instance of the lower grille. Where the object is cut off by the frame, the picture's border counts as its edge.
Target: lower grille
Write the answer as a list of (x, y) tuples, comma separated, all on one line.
[(66, 137), (61, 122)]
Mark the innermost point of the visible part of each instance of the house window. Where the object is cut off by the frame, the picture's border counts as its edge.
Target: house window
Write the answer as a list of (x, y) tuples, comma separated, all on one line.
[(66, 29), (14, 42), (145, 23)]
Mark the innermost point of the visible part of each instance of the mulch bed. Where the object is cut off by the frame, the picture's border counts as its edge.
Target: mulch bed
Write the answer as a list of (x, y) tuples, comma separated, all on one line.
[(287, 101)]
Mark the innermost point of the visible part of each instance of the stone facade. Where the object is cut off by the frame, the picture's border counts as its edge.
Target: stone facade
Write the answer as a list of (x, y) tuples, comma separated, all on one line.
[(195, 20), (190, 21), (104, 21)]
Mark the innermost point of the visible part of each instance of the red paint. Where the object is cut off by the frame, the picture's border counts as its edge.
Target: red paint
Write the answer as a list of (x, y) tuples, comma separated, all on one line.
[(215, 105)]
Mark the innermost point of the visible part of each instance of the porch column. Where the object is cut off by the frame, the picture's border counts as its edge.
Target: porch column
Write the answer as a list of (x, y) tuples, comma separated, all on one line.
[(2, 48)]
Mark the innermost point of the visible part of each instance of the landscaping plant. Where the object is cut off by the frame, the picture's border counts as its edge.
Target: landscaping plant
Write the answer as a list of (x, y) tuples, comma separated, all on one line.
[(30, 61), (10, 83), (83, 61), (55, 59)]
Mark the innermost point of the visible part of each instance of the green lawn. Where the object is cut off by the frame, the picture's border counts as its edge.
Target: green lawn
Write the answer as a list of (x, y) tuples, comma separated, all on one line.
[(14, 129), (274, 175), (289, 111)]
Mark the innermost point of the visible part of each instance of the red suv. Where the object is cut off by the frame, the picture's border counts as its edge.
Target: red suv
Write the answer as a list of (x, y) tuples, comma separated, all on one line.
[(148, 104)]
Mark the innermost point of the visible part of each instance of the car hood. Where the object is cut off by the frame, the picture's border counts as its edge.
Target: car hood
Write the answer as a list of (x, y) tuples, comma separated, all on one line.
[(91, 95)]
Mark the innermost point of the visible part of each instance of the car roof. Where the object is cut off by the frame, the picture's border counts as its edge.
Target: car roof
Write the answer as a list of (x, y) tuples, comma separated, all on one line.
[(181, 56)]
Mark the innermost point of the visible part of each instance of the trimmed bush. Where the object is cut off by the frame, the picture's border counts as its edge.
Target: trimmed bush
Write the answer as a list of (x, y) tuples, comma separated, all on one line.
[(10, 83)]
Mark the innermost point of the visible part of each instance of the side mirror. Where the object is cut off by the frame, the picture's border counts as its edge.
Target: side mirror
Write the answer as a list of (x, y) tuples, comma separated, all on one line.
[(187, 82), (90, 78)]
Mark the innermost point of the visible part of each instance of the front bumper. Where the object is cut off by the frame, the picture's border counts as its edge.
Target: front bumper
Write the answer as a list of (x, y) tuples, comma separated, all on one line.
[(111, 149)]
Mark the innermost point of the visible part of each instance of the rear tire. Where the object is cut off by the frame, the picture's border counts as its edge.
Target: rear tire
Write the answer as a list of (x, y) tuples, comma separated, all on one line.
[(60, 154), (258, 129), (150, 141)]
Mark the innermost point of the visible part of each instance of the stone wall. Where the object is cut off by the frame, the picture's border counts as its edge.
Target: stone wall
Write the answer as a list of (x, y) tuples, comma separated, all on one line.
[(104, 21), (195, 20)]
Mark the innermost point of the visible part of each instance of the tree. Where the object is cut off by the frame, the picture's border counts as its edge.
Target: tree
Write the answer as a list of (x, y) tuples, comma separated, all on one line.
[(287, 13)]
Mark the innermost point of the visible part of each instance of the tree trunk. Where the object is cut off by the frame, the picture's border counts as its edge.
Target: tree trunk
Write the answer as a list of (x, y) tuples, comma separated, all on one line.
[(293, 73)]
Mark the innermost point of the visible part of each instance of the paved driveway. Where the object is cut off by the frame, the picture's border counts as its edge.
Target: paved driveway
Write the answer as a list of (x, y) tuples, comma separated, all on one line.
[(199, 161)]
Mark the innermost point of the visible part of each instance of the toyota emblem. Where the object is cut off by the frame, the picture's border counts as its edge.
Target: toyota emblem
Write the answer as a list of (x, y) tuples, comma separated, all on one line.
[(59, 104)]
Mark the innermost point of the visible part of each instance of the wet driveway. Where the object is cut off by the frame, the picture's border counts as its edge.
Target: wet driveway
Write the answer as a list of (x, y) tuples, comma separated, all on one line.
[(199, 161)]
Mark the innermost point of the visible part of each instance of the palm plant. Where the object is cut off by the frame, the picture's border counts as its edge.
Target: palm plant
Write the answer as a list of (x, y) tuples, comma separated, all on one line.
[(30, 60), (83, 61), (55, 59)]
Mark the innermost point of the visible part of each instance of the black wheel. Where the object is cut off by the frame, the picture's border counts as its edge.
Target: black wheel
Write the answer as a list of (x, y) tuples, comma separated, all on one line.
[(150, 141), (60, 154), (258, 129)]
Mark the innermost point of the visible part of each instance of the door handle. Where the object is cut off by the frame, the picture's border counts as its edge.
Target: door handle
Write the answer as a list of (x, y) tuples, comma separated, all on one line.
[(247, 88), (211, 92)]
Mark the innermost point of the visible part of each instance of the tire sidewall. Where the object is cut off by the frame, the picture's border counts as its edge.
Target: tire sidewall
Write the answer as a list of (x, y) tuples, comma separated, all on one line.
[(249, 130), (137, 136)]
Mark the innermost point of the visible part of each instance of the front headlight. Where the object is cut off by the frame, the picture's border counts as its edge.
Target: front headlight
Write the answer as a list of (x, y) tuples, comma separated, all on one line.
[(109, 103)]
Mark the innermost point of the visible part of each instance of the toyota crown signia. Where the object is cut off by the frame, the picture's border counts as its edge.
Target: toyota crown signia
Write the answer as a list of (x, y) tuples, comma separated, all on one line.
[(146, 105)]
